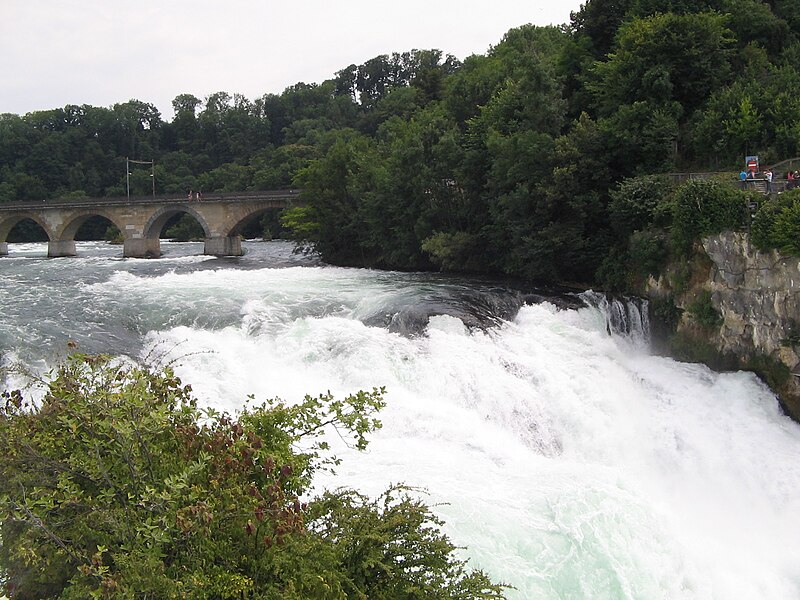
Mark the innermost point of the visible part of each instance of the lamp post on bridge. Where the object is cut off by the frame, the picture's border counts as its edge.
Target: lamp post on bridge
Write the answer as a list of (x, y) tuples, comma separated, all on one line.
[(128, 162)]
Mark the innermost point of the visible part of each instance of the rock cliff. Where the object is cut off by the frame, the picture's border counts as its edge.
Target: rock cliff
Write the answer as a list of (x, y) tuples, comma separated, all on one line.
[(753, 298)]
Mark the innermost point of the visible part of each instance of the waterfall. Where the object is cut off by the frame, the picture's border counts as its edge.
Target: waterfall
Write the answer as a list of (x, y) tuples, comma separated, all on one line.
[(626, 316), (562, 456)]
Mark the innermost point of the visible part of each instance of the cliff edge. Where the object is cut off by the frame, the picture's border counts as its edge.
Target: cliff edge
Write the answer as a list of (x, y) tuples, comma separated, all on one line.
[(733, 306)]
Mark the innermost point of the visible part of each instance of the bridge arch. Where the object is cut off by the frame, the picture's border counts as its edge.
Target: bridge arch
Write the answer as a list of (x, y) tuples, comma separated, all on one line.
[(145, 242), (247, 222), (11, 221), (155, 224), (71, 227)]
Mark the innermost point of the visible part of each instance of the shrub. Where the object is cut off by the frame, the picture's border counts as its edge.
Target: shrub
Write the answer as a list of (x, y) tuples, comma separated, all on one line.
[(449, 250), (627, 269), (117, 485), (639, 203), (113, 235), (647, 253), (763, 225), (613, 271), (705, 207), (771, 371), (666, 311), (704, 313), (776, 224)]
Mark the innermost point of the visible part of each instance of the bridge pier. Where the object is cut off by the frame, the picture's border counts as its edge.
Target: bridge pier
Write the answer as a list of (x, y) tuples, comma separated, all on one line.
[(141, 248), (3, 248), (223, 246), (59, 248)]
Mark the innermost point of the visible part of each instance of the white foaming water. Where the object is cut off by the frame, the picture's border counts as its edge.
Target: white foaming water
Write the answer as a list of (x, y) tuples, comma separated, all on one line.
[(567, 461), (571, 464)]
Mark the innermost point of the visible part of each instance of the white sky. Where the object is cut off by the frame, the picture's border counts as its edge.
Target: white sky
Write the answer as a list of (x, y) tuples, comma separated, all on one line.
[(99, 52)]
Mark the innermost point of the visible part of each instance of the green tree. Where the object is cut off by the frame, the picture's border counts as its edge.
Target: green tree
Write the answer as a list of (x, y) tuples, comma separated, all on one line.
[(752, 21), (228, 177), (275, 168), (744, 128), (472, 86), (16, 137), (410, 187), (136, 129), (789, 11), (640, 203), (643, 137), (578, 194), (48, 161), (28, 187), (332, 213), (665, 58), (509, 154), (184, 125), (598, 21)]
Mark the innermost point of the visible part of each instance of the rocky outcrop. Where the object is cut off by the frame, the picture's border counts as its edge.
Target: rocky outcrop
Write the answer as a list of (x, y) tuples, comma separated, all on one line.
[(757, 297)]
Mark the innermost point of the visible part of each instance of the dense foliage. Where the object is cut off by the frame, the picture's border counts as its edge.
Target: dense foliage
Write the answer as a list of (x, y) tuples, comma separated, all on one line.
[(706, 207), (505, 163), (117, 485), (776, 224)]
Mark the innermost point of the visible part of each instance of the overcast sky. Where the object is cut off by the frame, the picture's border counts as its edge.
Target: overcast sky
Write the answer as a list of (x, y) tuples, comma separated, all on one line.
[(99, 52)]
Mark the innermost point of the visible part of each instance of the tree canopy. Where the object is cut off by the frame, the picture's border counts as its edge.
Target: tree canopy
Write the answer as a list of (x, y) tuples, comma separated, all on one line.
[(502, 163)]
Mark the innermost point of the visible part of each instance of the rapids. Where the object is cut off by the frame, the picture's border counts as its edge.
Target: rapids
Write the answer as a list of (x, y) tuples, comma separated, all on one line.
[(566, 459)]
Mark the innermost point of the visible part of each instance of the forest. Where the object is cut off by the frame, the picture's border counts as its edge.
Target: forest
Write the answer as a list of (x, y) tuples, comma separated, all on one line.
[(538, 160)]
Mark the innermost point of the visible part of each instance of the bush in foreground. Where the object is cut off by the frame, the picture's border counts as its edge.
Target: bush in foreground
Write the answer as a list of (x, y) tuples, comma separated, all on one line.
[(117, 485)]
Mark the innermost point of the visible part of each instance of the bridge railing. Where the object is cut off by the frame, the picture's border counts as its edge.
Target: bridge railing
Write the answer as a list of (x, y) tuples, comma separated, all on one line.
[(677, 178), (176, 198)]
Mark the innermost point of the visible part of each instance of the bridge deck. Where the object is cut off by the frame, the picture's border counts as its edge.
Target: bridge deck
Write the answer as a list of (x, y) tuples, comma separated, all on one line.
[(232, 197)]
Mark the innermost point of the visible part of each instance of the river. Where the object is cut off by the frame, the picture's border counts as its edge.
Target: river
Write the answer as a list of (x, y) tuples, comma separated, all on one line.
[(565, 458)]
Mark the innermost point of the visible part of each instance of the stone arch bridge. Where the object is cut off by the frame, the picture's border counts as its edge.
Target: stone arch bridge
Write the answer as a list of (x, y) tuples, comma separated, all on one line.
[(141, 219)]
